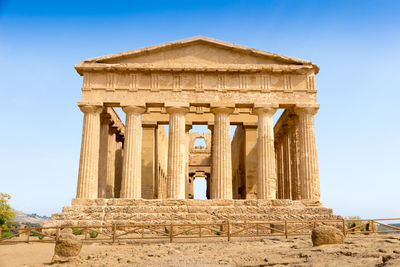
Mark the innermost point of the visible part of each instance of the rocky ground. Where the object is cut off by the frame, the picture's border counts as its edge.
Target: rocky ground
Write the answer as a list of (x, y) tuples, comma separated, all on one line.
[(365, 250)]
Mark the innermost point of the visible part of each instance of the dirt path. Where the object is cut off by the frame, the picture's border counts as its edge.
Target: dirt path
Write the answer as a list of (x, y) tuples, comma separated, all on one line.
[(375, 250)]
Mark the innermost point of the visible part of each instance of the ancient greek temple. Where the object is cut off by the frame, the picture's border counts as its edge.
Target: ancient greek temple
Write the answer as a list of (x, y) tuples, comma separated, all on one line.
[(190, 82), (198, 81)]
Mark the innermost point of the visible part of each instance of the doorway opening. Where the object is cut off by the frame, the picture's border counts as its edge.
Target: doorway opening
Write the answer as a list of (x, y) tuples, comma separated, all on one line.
[(200, 188)]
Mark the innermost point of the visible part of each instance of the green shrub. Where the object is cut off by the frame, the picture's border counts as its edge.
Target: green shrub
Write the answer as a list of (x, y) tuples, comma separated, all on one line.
[(218, 233), (5, 234), (351, 224), (77, 231), (6, 213), (93, 234)]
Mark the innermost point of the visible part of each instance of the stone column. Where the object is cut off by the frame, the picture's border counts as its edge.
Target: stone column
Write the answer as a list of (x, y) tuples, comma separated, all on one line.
[(112, 148), (250, 160), (309, 174), (105, 121), (221, 155), (189, 185), (176, 153), (279, 168), (119, 155), (131, 186), (266, 152), (149, 159), (89, 159), (287, 174), (294, 152)]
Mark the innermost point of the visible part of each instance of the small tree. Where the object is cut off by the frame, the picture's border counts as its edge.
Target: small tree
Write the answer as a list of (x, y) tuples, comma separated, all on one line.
[(6, 213)]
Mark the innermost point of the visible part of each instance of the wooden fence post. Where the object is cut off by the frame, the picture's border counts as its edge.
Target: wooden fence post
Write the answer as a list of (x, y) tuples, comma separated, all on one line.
[(286, 229), (170, 233), (57, 233), (28, 235), (344, 226), (228, 228), (114, 227)]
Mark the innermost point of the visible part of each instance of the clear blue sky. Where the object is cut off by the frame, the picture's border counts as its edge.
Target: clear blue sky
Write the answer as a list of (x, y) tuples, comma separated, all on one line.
[(356, 44)]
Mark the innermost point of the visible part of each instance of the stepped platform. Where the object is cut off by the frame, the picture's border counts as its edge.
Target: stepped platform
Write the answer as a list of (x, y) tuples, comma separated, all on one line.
[(129, 211)]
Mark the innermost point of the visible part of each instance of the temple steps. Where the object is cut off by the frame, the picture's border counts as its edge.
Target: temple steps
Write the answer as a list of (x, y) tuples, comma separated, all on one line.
[(124, 211)]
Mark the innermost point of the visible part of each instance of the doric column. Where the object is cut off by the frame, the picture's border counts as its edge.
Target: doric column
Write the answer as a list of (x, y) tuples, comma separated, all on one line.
[(287, 174), (119, 155), (221, 155), (105, 121), (131, 186), (89, 159), (176, 153), (112, 148), (294, 162), (309, 174), (266, 152), (188, 179), (149, 159), (279, 168)]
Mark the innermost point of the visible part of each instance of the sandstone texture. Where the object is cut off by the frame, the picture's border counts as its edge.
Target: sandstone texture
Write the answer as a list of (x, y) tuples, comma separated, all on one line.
[(326, 235), (125, 211), (67, 247)]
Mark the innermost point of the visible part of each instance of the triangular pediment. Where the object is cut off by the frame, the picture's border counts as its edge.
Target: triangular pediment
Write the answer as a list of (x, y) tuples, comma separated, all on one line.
[(196, 51)]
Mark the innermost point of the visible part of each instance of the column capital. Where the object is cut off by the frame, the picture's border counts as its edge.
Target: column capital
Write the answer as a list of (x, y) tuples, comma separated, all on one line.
[(134, 109), (267, 108), (177, 107), (306, 109), (222, 109), (90, 108), (183, 110)]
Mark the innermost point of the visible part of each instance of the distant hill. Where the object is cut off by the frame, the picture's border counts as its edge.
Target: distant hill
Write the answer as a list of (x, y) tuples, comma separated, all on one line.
[(30, 219)]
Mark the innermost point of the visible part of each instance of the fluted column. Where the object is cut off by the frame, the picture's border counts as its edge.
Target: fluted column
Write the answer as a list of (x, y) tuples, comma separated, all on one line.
[(105, 121), (131, 186), (266, 188), (89, 158), (176, 176), (112, 147), (287, 174), (221, 155), (309, 174), (294, 162)]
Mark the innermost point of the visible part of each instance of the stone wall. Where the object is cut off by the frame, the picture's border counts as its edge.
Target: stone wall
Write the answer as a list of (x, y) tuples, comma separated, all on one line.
[(124, 211)]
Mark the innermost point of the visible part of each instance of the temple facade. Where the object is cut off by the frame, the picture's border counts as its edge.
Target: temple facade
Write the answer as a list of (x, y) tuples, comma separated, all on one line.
[(133, 171), (192, 82)]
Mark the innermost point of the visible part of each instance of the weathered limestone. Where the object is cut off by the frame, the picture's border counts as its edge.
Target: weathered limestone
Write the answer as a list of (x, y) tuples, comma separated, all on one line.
[(149, 158), (67, 247), (326, 235), (197, 81), (266, 152), (221, 155), (89, 160), (287, 174), (308, 152), (131, 171), (294, 158), (176, 153)]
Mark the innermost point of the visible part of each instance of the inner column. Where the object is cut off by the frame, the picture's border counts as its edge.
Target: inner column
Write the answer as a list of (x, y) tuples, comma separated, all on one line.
[(176, 153), (221, 155)]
